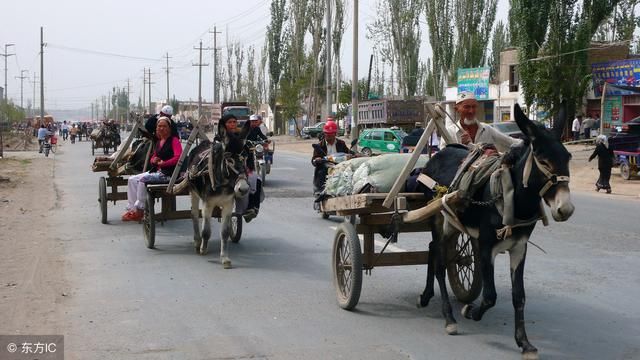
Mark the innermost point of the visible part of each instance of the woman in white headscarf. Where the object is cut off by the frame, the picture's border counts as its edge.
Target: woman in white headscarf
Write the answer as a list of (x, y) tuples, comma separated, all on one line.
[(605, 162)]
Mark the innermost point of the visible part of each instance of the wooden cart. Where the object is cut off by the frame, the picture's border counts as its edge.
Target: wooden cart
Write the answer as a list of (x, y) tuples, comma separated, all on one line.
[(391, 214), (168, 211), (367, 216)]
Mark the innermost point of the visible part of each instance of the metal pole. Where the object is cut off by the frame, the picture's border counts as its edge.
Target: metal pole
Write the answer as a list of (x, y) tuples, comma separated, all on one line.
[(6, 55), (354, 75), (200, 84), (216, 97), (328, 64), (144, 87), (22, 77), (167, 56), (42, 73), (149, 92)]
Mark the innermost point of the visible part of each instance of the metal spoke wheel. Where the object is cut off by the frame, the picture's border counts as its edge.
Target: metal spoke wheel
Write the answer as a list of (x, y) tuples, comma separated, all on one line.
[(149, 222), (625, 172), (463, 268), (347, 266), (102, 199)]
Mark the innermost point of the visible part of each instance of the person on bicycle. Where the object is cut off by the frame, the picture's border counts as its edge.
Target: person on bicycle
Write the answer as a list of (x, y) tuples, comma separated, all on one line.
[(42, 135)]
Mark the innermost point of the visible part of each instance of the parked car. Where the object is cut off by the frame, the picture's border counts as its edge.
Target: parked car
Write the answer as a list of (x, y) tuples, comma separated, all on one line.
[(410, 141), (626, 137), (508, 128), (315, 131), (381, 140)]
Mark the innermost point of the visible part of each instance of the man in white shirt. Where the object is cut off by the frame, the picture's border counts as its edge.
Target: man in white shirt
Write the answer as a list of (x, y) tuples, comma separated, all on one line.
[(470, 131), (575, 127)]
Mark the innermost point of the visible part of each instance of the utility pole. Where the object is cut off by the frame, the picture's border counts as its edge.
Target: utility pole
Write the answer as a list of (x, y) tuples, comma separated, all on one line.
[(167, 68), (328, 64), (149, 92), (215, 32), (33, 102), (354, 75), (41, 73), (91, 111), (22, 77), (144, 87), (117, 106), (128, 104), (200, 65), (108, 106), (6, 55)]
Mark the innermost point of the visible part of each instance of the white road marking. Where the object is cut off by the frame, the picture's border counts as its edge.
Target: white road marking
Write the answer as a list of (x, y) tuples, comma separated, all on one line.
[(380, 244)]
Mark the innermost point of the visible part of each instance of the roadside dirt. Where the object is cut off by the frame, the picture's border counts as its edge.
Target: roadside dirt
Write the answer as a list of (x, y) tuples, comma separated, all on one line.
[(31, 262)]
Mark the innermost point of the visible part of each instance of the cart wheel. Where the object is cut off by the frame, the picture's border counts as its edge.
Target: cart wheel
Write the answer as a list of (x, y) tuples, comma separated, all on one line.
[(102, 199), (149, 222), (325, 215), (625, 172), (347, 266), (263, 174), (463, 268), (236, 228), (93, 148), (366, 151)]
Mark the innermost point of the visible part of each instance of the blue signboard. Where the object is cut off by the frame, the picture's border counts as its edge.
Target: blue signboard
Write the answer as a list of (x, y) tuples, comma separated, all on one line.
[(475, 80), (622, 72)]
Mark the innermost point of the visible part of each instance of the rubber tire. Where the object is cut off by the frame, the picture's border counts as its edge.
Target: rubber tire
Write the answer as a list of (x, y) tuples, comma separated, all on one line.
[(149, 222), (235, 236), (346, 234), (325, 215), (625, 171), (366, 152), (263, 174), (464, 294), (102, 199), (46, 151)]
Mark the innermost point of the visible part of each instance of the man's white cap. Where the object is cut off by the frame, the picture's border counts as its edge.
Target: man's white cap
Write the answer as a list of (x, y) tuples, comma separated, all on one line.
[(253, 117), (167, 110), (465, 95)]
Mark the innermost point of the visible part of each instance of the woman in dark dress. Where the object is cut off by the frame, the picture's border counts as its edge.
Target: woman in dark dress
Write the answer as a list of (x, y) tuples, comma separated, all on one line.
[(605, 162)]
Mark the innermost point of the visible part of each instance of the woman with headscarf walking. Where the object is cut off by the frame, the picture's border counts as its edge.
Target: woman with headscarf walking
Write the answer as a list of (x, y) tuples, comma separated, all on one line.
[(605, 162)]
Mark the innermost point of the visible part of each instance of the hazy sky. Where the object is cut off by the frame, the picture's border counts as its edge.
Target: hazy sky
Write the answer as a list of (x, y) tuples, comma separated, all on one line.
[(139, 32)]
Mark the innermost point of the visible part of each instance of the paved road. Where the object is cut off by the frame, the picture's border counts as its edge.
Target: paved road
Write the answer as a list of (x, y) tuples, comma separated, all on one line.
[(129, 302)]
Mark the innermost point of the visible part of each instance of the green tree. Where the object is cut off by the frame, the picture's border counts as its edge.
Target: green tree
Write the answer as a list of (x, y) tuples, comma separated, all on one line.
[(439, 14), (474, 20), (553, 37), (499, 42), (275, 45)]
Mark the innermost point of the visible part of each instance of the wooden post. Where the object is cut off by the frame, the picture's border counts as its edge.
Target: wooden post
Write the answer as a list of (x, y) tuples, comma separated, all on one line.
[(602, 96), (417, 151), (127, 143), (192, 137)]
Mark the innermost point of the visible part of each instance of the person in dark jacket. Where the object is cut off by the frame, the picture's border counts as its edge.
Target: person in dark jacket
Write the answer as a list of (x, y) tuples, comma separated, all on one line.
[(328, 146), (255, 134), (166, 111), (605, 162)]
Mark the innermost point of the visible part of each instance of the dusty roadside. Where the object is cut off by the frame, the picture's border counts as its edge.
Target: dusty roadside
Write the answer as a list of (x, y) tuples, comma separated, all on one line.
[(31, 259)]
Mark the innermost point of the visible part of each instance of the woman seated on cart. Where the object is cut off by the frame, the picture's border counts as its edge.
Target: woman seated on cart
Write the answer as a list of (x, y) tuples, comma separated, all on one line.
[(163, 161)]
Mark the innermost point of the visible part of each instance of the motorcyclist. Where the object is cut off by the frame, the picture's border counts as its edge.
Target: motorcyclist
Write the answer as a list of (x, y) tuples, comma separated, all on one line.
[(167, 111), (329, 145), (255, 134)]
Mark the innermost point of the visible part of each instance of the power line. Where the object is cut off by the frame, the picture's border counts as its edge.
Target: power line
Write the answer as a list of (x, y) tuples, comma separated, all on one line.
[(95, 52)]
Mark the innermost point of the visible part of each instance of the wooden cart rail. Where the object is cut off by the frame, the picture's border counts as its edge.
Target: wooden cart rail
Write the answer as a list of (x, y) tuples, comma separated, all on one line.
[(366, 203)]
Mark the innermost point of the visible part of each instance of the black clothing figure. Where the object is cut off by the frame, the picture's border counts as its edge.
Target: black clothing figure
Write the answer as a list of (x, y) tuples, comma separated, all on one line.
[(605, 163), (255, 134), (150, 124), (321, 169)]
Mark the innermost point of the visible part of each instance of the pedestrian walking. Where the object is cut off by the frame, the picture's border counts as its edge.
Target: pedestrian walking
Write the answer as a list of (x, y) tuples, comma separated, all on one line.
[(65, 131), (587, 125), (605, 162)]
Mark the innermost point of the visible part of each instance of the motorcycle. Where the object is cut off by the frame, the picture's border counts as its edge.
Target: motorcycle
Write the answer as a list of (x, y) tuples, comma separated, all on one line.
[(263, 158)]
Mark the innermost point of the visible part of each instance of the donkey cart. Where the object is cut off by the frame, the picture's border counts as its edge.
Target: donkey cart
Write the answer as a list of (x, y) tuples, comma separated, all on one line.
[(367, 216)]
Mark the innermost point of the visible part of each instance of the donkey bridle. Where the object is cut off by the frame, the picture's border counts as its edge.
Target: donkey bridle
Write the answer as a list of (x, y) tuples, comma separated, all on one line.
[(552, 179)]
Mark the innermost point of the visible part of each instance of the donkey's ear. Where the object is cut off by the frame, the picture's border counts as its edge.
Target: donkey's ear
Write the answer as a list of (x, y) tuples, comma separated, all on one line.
[(560, 121), (527, 126), (246, 128)]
